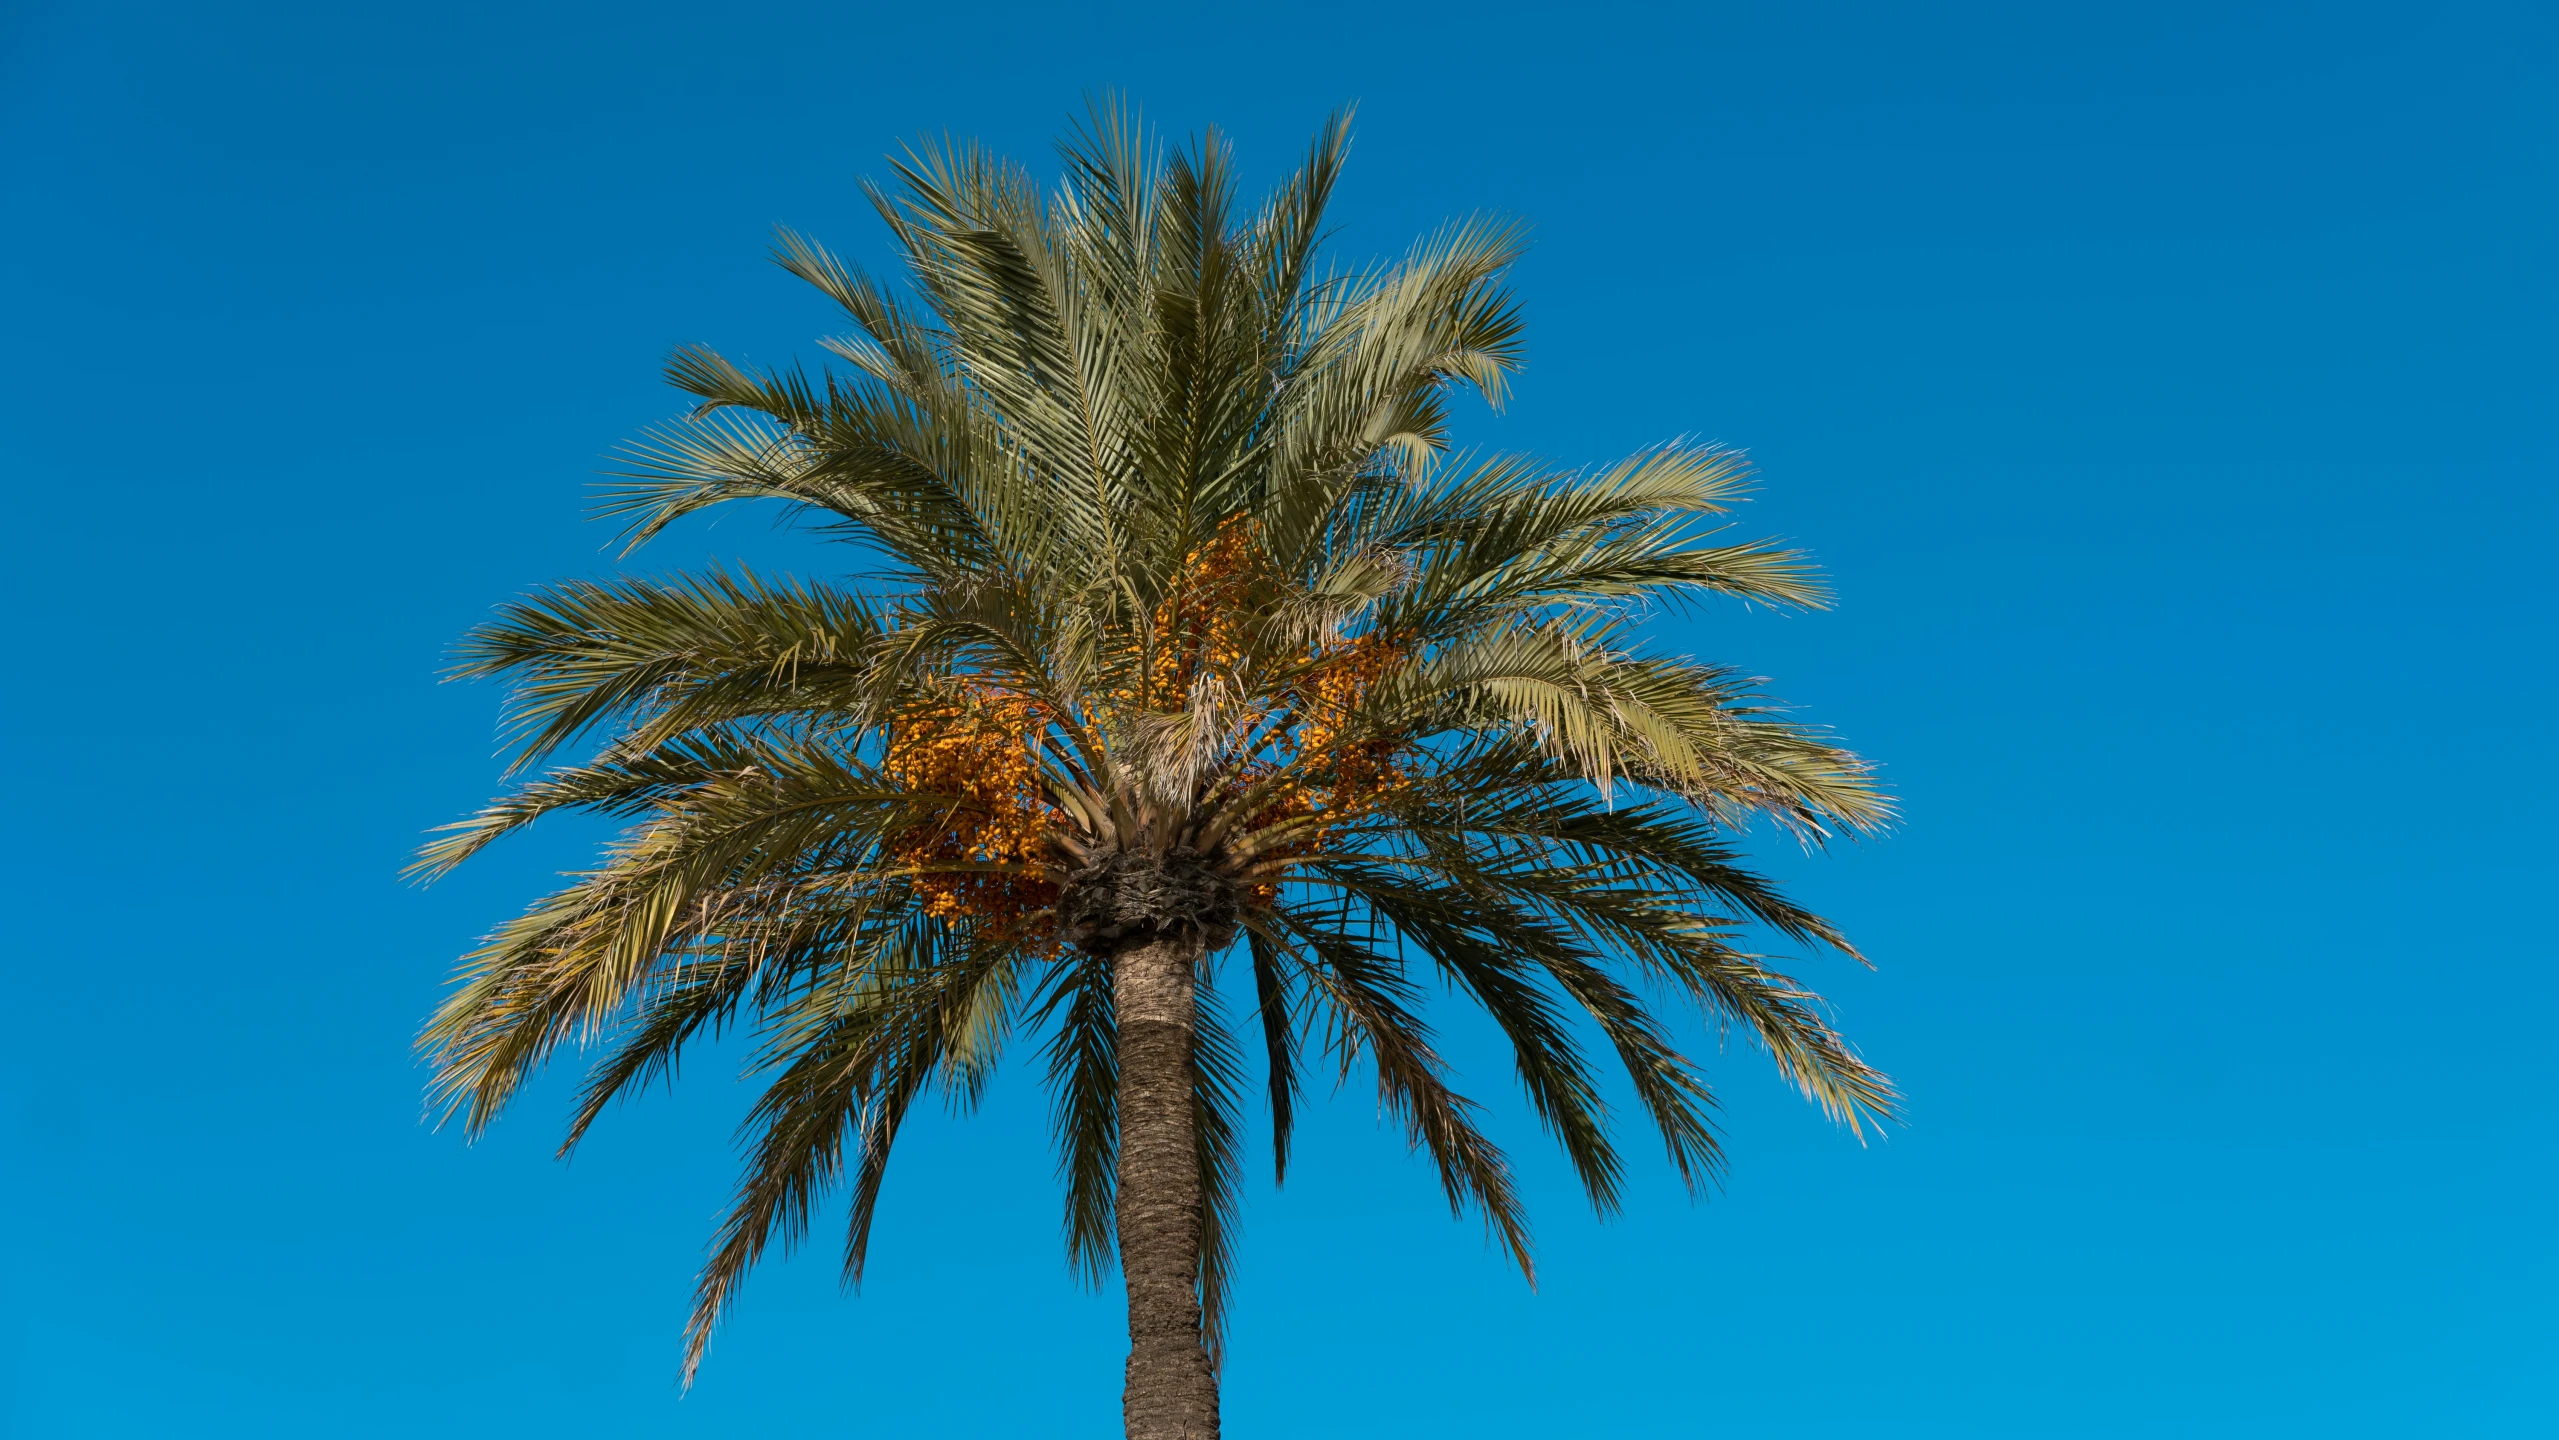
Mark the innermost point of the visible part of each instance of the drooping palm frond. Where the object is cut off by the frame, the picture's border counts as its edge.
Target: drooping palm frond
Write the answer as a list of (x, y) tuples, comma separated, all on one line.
[(1167, 573)]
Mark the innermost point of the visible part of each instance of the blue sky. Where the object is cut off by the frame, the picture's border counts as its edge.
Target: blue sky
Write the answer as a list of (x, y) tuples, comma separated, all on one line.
[(2167, 390)]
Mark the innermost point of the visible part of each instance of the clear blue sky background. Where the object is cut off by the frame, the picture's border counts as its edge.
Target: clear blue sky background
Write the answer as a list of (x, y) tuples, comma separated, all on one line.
[(2168, 389)]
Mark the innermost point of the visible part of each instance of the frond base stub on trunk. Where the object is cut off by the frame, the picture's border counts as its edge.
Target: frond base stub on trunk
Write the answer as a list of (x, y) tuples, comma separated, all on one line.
[(1131, 897)]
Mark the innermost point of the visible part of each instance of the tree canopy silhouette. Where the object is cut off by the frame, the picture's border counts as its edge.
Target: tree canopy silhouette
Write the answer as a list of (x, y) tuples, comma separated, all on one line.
[(1178, 645)]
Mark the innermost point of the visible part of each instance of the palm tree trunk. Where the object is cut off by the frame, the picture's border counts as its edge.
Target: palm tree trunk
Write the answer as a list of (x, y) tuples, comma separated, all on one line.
[(1171, 1392)]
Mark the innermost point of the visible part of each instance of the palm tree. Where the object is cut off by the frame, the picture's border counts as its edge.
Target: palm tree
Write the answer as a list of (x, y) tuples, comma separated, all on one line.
[(1180, 625)]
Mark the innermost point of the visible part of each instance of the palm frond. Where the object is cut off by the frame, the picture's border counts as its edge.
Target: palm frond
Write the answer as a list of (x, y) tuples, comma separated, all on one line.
[(1367, 1001)]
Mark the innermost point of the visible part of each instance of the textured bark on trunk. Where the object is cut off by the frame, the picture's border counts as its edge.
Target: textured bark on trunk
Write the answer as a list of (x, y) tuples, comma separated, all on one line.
[(1171, 1392)]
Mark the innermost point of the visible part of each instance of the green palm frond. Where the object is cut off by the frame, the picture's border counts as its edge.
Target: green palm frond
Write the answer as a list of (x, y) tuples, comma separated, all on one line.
[(1083, 1077), (692, 653), (1368, 1007)]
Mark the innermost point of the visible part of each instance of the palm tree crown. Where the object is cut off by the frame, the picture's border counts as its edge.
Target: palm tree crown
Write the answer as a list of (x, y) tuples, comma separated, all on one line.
[(1180, 626)]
